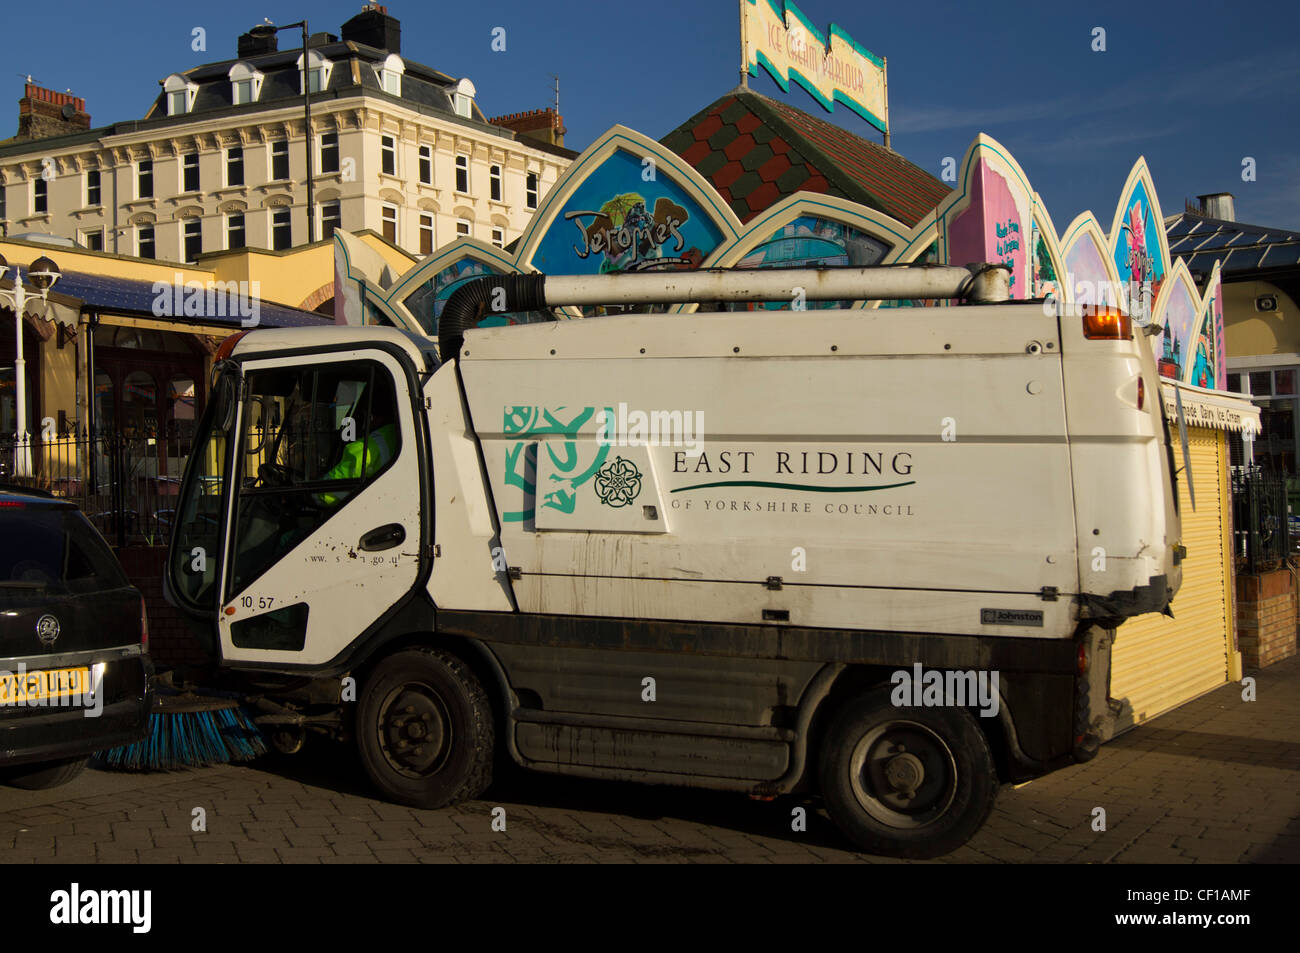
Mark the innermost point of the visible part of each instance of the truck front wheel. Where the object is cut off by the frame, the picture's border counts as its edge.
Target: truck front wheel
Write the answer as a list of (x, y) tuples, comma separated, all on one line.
[(424, 729), (907, 782)]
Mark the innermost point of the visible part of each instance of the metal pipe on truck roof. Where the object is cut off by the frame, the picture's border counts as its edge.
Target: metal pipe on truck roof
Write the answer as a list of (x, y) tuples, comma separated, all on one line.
[(814, 284), (981, 283)]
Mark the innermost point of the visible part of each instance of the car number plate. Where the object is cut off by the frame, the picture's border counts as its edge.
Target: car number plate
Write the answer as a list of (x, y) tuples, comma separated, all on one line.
[(33, 686)]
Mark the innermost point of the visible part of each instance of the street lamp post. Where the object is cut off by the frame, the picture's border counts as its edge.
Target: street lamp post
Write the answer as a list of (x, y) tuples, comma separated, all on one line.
[(269, 27), (43, 274)]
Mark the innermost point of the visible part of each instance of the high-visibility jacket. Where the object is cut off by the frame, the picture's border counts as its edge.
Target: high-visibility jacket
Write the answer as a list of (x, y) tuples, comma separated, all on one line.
[(378, 449)]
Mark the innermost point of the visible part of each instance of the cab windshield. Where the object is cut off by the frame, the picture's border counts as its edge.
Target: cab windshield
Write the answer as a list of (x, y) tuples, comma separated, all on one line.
[(196, 540)]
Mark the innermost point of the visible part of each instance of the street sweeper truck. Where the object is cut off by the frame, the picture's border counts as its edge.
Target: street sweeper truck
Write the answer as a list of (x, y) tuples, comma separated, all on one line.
[(876, 555)]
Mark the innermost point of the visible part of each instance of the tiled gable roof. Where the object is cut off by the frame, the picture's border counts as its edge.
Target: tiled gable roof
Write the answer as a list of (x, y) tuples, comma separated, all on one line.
[(756, 151)]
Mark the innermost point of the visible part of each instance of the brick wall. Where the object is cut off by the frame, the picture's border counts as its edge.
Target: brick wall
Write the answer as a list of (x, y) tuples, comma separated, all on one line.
[(171, 642), (1266, 618)]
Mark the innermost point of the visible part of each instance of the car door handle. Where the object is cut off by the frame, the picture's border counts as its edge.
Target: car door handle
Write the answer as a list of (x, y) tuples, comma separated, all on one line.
[(382, 537)]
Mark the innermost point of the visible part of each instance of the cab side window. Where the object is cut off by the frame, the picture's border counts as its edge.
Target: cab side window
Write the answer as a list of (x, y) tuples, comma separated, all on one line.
[(313, 437)]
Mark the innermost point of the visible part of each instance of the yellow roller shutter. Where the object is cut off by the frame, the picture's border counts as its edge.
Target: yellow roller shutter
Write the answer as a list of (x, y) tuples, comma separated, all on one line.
[(1159, 662)]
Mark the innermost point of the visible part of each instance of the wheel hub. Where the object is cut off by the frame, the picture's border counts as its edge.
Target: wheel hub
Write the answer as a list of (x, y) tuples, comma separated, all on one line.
[(903, 774), (414, 731)]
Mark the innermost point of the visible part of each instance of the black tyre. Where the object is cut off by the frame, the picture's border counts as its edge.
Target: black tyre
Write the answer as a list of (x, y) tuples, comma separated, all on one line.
[(424, 729), (49, 774), (907, 782)]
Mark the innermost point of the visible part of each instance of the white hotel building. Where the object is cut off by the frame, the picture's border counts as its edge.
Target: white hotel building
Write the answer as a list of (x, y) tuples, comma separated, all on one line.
[(218, 162)]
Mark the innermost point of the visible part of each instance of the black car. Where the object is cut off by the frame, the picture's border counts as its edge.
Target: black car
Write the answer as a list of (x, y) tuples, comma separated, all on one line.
[(74, 659)]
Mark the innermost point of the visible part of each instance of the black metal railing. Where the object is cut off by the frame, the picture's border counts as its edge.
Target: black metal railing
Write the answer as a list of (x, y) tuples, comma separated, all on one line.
[(1260, 519), (126, 485)]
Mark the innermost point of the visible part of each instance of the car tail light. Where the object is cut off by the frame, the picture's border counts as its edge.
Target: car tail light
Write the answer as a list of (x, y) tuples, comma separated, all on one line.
[(1106, 324), (11, 504), (1083, 659), (144, 625)]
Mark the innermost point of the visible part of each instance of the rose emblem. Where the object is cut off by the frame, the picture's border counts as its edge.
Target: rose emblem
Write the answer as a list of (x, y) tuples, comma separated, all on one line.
[(618, 482)]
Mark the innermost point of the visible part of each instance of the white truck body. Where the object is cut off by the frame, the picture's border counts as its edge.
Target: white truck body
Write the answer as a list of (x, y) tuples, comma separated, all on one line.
[(766, 512)]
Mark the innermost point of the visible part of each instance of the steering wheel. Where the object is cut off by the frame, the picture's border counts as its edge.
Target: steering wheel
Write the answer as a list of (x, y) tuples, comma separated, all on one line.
[(273, 474)]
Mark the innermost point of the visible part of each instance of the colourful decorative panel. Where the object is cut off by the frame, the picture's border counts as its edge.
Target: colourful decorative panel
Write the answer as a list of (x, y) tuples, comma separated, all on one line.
[(618, 218)]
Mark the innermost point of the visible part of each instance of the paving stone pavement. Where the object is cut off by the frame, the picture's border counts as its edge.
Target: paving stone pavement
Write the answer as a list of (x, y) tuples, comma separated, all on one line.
[(1215, 781)]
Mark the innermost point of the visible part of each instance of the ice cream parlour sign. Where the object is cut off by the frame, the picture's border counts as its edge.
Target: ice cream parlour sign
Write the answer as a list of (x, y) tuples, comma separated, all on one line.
[(780, 38)]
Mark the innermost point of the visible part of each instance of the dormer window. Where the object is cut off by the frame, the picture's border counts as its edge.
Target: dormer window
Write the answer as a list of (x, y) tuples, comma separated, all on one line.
[(318, 72), (389, 73), (180, 94), (462, 99), (245, 84)]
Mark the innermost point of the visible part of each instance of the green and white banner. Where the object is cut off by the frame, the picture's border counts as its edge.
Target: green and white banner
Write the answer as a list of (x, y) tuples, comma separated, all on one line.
[(781, 39)]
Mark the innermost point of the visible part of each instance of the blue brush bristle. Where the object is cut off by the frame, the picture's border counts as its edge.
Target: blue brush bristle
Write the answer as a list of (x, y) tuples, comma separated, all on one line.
[(189, 739)]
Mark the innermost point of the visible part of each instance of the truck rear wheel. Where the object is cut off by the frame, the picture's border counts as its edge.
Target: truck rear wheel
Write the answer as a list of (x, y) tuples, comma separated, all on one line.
[(907, 782), (424, 729)]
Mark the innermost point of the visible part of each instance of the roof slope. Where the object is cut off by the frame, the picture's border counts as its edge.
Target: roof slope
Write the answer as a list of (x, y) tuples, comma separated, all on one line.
[(1245, 250), (135, 296), (756, 151)]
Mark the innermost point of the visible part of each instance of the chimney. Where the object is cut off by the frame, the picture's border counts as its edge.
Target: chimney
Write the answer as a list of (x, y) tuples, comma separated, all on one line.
[(43, 113), (1218, 205), (545, 125), (374, 27), (260, 39)]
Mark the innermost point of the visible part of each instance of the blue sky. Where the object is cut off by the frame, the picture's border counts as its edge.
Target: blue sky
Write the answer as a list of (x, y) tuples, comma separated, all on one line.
[(1194, 86)]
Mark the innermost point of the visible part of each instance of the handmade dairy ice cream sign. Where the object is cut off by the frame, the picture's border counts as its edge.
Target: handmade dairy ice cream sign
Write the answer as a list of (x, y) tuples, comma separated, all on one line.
[(780, 38)]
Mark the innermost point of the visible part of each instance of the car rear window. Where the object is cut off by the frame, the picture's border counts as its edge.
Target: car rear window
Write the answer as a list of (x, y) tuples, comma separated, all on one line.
[(55, 548)]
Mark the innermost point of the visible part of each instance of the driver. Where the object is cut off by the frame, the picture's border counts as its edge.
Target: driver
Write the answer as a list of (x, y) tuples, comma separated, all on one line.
[(378, 448)]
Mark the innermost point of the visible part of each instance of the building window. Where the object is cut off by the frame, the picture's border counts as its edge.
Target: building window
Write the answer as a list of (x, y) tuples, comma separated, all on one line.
[(388, 216), (179, 93), (245, 84), (462, 227), (280, 160), (281, 229), (1274, 393), (193, 238), (235, 165), (390, 74), (388, 155), (530, 190), (93, 239), (499, 237), (462, 98), (331, 218), (235, 230), (318, 72), (92, 187), (426, 234), (426, 165), (494, 182), (462, 173), (144, 247), (144, 179), (329, 152), (190, 172), (40, 196)]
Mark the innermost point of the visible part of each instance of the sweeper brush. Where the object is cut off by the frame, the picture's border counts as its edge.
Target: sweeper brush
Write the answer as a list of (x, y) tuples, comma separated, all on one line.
[(189, 730)]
